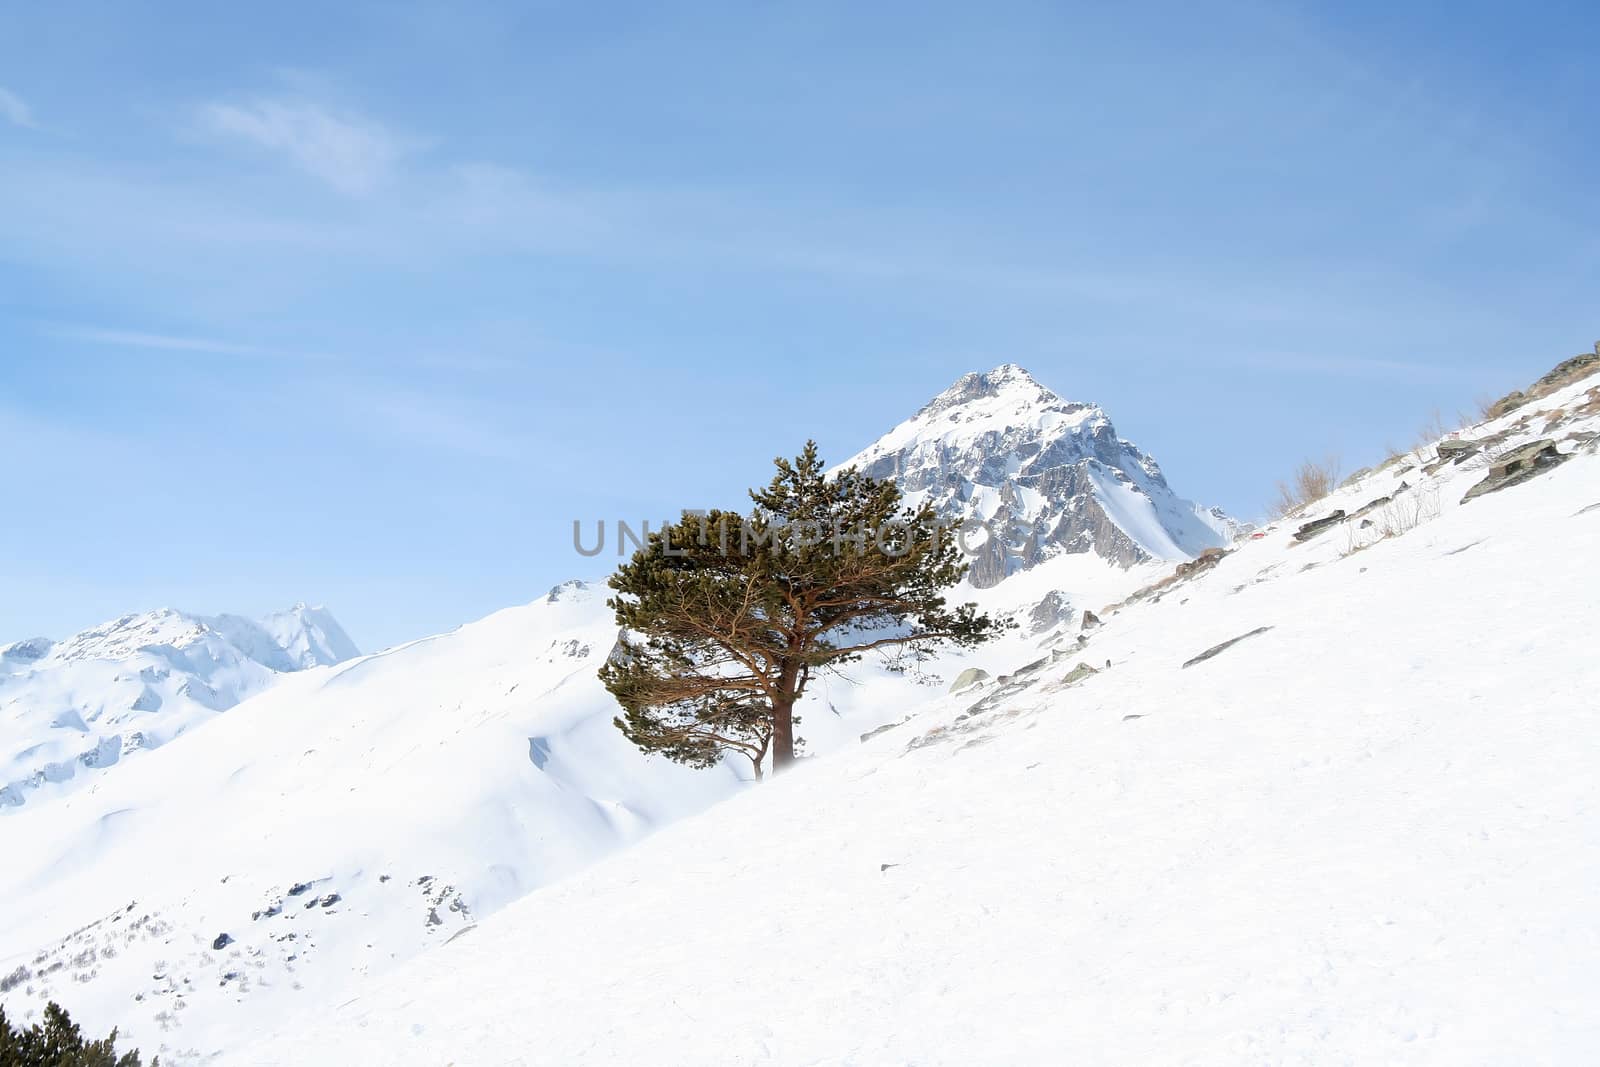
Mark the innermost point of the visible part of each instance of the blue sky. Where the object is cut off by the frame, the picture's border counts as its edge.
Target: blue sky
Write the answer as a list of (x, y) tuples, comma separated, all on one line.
[(364, 303)]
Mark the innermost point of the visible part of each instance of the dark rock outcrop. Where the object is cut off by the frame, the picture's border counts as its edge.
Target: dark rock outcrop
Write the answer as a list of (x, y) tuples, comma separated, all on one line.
[(1316, 526), (1456, 450), (1215, 649), (1203, 562), (1514, 468), (1564, 373)]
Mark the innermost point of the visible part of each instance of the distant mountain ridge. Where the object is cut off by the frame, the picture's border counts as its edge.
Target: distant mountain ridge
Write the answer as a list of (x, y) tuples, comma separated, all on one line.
[(1049, 476), (137, 682)]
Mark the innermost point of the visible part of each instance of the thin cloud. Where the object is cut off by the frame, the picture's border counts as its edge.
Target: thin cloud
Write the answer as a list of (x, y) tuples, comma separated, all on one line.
[(15, 110), (168, 343), (352, 154), (423, 421)]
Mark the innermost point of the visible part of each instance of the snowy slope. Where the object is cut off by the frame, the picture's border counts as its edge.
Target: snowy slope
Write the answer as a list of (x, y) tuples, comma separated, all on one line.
[(345, 819), (349, 818), (1365, 833), (422, 788), (328, 836), (72, 708), (1049, 476)]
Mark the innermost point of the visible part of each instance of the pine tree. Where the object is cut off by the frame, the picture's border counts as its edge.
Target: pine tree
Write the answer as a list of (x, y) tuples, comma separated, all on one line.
[(727, 617), (58, 1042)]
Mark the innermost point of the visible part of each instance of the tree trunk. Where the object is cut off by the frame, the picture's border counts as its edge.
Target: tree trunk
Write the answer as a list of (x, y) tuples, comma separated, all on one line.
[(783, 708), (782, 735)]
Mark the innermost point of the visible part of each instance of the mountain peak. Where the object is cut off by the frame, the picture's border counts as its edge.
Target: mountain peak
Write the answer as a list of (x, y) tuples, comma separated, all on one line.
[(1008, 388), (310, 635), (1046, 474), (138, 681)]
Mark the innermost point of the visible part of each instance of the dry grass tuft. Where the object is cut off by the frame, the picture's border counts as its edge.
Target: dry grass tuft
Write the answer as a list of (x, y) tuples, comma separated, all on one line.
[(1312, 480)]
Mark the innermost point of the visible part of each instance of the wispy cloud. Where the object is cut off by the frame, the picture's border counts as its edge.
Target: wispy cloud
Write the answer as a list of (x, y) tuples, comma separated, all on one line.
[(167, 343), (15, 110), (349, 152), (423, 420)]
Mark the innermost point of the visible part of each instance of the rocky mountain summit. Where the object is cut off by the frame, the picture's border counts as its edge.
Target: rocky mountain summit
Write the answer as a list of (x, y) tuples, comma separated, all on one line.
[(1032, 476)]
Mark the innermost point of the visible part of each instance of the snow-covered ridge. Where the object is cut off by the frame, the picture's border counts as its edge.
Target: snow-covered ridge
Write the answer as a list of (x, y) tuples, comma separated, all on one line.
[(302, 847), (84, 704), (1048, 475), (1325, 798), (329, 827)]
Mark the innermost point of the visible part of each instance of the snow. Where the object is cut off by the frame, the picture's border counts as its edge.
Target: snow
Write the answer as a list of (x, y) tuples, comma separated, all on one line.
[(422, 786), (426, 786), (79, 706), (1364, 834), (310, 635), (1001, 448), (1360, 835), (959, 418)]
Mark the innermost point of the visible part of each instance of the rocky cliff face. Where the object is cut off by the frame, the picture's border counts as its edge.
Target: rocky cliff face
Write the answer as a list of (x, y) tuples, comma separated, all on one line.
[(1032, 475)]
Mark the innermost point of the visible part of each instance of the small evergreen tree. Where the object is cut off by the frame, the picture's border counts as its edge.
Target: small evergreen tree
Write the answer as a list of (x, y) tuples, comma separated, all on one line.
[(58, 1042), (727, 617)]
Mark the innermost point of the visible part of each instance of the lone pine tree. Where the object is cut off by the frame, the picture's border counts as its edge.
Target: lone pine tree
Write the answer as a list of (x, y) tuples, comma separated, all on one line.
[(726, 617)]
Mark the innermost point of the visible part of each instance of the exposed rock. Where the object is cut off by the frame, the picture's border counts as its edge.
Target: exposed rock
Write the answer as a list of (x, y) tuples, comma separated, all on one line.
[(1031, 668), (1023, 471), (1213, 650), (621, 653), (1089, 619), (1457, 450), (1356, 477), (876, 730), (1203, 562), (1371, 506), (1183, 572), (15, 978), (567, 590), (1078, 674), (222, 941), (1316, 526), (1563, 374), (1508, 403), (1514, 468), (1584, 440), (967, 679), (1568, 371), (1053, 610)]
